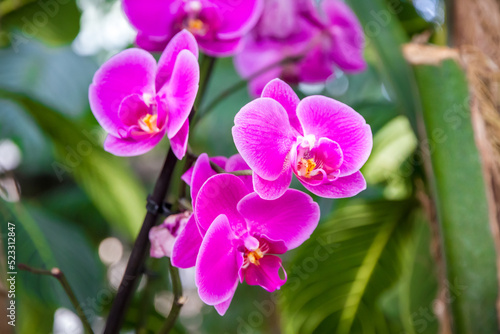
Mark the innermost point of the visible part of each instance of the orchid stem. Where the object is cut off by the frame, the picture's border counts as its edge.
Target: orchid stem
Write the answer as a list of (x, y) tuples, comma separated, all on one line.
[(59, 275), (241, 84), (177, 303), (206, 68), (137, 257)]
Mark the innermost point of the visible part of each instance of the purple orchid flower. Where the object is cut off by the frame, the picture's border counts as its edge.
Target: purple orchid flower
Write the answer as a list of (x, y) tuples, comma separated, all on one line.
[(243, 233), (319, 38), (137, 101), (188, 241), (163, 237), (322, 141), (218, 25)]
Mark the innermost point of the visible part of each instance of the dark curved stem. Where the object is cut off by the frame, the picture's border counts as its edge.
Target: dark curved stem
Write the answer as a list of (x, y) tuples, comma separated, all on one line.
[(177, 303), (59, 275), (137, 257)]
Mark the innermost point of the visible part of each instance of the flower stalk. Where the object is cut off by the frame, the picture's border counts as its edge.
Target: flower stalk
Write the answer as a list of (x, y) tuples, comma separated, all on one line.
[(177, 303), (137, 257), (59, 275)]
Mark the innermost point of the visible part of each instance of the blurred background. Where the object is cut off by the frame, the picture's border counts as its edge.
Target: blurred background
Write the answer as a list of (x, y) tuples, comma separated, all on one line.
[(414, 253)]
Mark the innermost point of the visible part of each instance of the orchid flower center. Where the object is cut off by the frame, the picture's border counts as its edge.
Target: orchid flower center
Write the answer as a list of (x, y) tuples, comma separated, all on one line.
[(149, 123), (307, 164), (195, 26), (305, 167), (192, 22), (253, 256), (317, 160)]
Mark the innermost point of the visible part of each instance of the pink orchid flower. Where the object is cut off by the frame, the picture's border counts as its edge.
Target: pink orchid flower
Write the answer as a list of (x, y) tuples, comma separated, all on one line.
[(163, 237), (188, 242), (323, 38), (320, 140), (137, 101), (243, 233), (218, 25)]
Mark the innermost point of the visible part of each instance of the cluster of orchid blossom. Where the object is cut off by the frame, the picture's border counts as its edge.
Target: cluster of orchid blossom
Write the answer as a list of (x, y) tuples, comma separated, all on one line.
[(261, 35), (239, 223)]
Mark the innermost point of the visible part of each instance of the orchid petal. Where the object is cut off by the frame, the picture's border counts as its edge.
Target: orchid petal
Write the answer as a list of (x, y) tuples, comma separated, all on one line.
[(291, 218), (127, 147), (316, 67), (239, 16), (202, 171), (346, 186), (183, 40), (220, 47), (132, 109), (180, 91), (187, 245), (220, 194), (272, 189), (266, 274), (151, 43), (218, 263), (151, 17), (326, 117), (130, 72), (263, 136), (347, 36), (236, 163), (280, 91), (222, 307), (162, 242), (179, 141)]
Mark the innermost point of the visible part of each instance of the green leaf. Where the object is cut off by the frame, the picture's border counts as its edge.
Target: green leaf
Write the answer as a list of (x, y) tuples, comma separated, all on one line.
[(339, 274), (458, 190), (110, 185), (54, 22), (411, 301), (57, 77), (45, 241), (18, 126), (386, 35), (392, 146)]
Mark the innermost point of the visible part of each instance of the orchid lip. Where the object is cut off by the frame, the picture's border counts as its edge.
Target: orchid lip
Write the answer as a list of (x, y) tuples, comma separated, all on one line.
[(252, 256), (312, 163), (148, 123)]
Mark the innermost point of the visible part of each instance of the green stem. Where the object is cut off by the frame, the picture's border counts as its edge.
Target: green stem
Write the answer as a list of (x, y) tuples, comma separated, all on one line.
[(206, 68), (57, 273), (177, 303)]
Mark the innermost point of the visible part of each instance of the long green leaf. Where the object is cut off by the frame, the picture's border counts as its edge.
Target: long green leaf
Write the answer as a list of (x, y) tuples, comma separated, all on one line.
[(339, 274), (458, 191), (411, 302), (108, 182), (45, 241), (386, 35)]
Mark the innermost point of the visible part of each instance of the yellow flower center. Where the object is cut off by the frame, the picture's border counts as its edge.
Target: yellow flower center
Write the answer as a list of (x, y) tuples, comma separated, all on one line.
[(254, 256), (195, 26), (306, 166), (148, 123)]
